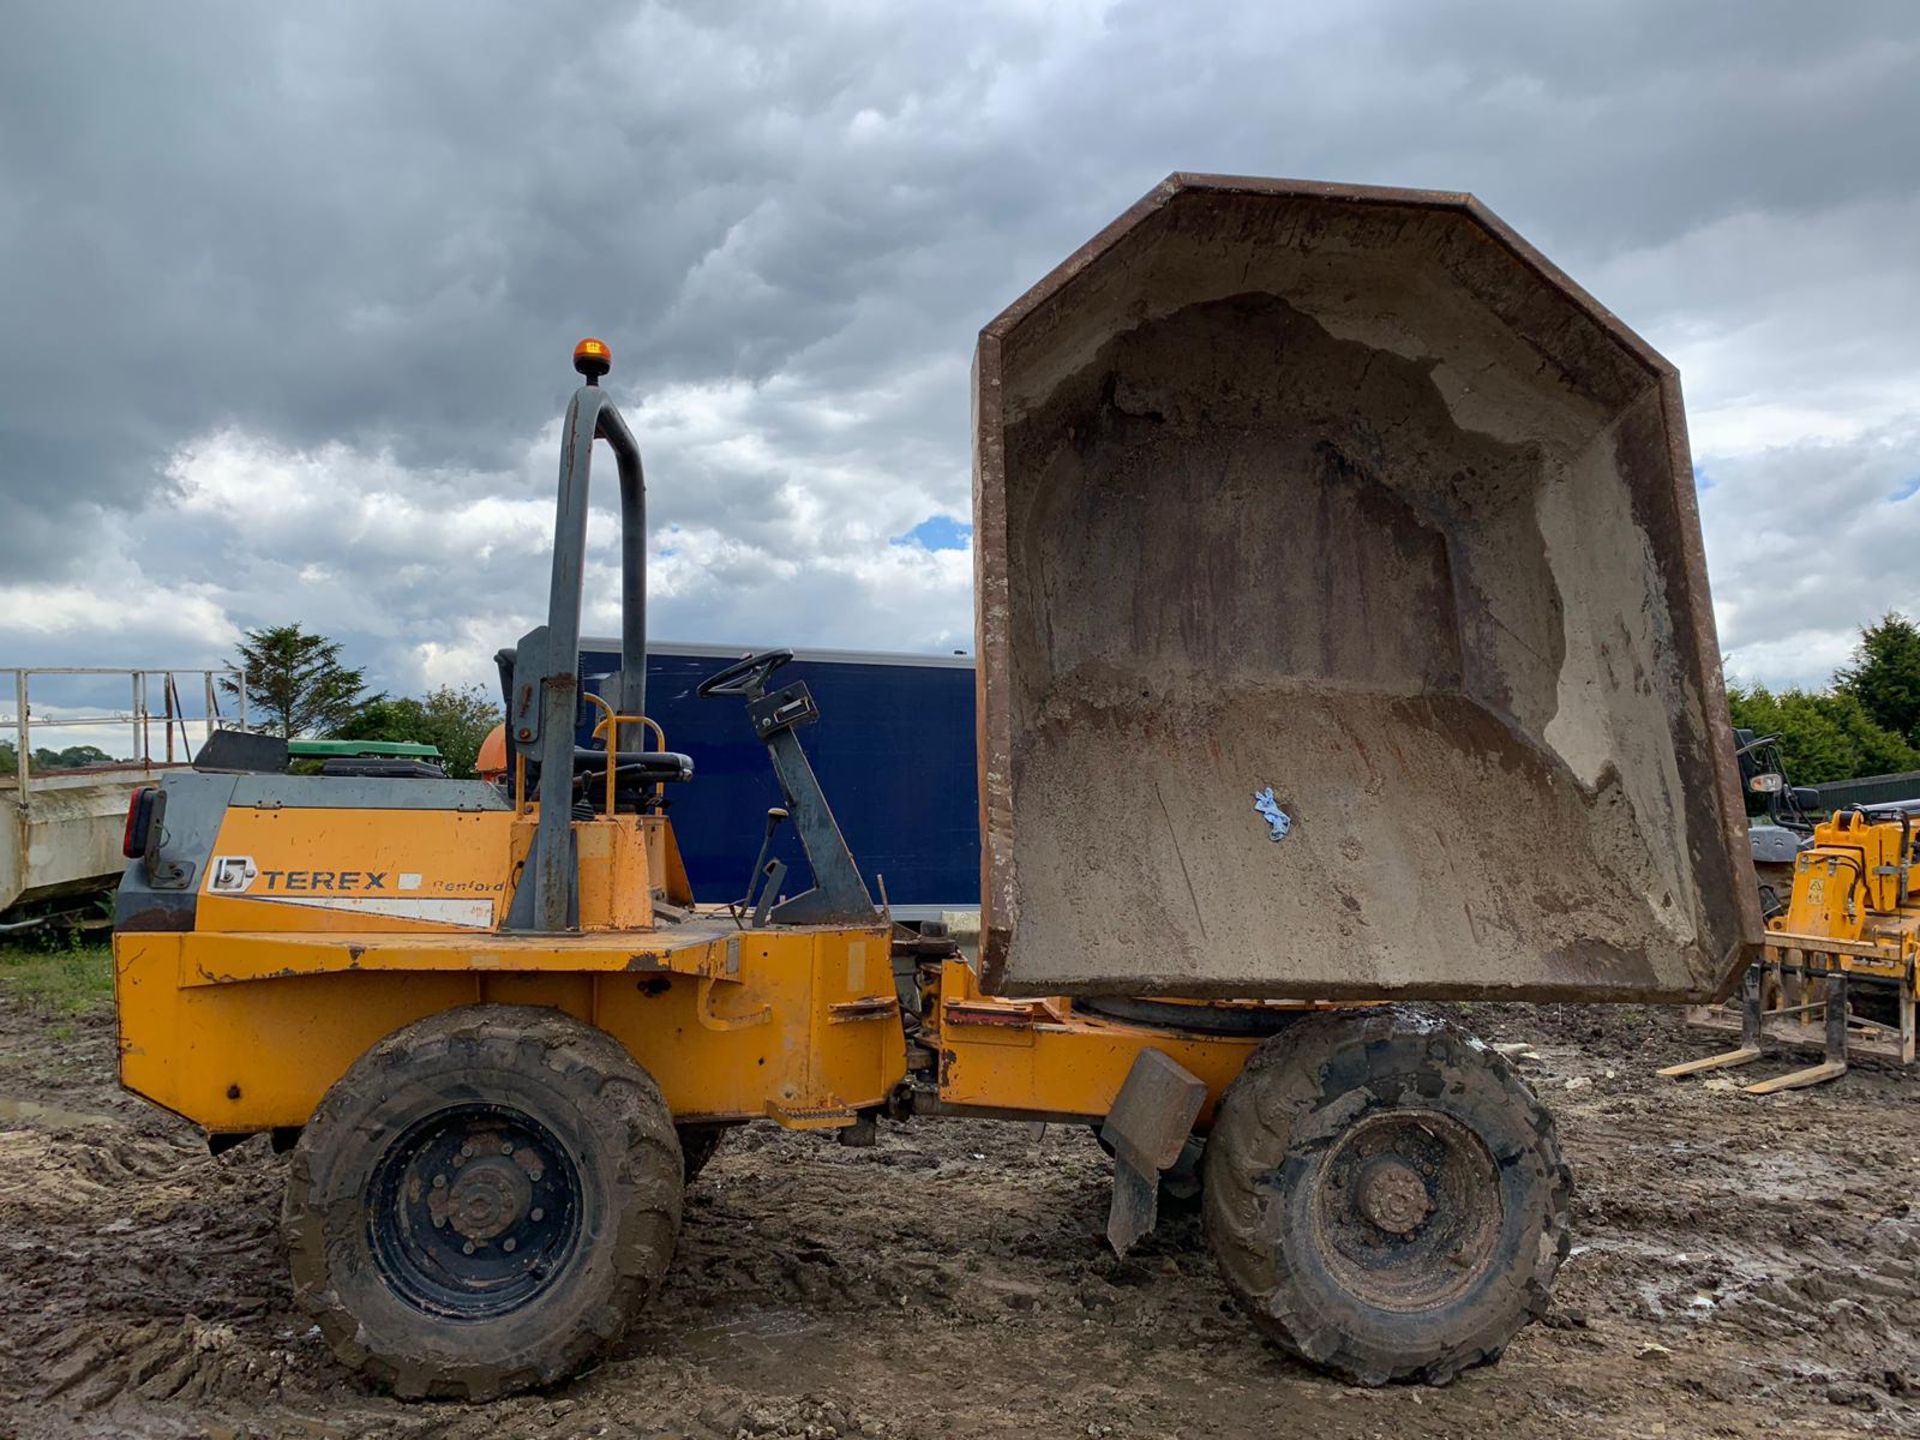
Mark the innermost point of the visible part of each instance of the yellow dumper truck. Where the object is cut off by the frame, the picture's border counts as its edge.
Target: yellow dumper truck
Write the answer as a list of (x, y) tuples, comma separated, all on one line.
[(1343, 639)]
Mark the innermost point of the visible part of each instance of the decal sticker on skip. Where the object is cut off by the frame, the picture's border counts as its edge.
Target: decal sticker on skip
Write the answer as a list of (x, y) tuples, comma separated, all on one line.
[(1278, 821)]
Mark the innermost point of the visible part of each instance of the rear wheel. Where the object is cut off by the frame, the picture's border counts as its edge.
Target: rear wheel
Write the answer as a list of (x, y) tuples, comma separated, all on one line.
[(482, 1201), (1386, 1196)]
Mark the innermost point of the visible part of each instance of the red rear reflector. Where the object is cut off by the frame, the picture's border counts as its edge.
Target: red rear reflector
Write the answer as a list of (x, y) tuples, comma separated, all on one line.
[(133, 840)]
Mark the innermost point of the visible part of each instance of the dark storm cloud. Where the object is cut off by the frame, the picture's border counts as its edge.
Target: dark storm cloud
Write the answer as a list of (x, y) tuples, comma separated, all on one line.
[(387, 224), (380, 228)]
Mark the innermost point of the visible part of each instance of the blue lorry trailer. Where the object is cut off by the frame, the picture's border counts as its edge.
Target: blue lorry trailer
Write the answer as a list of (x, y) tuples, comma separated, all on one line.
[(893, 749)]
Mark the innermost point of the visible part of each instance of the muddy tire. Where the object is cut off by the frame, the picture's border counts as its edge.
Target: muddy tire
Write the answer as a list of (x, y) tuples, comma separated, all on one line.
[(697, 1146), (482, 1201), (1386, 1196)]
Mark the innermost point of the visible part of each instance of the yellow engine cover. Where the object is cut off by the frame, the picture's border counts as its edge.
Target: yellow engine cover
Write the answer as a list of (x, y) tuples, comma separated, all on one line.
[(1854, 868)]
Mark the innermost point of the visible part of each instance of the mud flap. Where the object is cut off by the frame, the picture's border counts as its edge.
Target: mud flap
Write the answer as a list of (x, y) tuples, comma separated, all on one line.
[(1147, 1129)]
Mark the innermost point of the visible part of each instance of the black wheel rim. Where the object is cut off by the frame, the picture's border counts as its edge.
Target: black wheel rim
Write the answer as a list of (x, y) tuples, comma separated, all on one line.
[(474, 1211), (1407, 1209)]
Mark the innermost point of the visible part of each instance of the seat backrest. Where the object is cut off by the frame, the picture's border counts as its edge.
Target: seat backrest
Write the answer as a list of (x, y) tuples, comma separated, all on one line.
[(374, 767)]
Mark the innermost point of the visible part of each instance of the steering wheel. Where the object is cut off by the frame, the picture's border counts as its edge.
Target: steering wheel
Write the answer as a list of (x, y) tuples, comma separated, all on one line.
[(743, 676)]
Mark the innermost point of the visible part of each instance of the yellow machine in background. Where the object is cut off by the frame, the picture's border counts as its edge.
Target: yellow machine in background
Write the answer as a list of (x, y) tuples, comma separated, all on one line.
[(1838, 971)]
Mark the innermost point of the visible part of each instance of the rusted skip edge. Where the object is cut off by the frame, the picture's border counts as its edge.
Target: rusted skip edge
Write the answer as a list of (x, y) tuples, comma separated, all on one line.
[(993, 717), (1385, 196), (1734, 845)]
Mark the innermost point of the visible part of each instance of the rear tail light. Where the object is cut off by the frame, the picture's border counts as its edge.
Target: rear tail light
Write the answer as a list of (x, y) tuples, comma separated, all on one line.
[(149, 802)]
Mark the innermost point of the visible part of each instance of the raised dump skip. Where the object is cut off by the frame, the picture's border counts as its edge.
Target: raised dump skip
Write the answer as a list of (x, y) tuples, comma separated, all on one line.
[(1348, 495)]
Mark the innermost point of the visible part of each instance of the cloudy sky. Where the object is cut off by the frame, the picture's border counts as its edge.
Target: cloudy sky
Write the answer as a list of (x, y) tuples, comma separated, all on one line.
[(287, 293)]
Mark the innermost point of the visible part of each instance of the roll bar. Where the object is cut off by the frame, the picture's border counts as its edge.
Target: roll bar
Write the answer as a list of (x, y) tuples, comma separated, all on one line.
[(546, 678)]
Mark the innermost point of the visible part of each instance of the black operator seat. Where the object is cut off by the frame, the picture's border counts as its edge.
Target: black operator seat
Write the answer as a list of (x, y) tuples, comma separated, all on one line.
[(649, 766)]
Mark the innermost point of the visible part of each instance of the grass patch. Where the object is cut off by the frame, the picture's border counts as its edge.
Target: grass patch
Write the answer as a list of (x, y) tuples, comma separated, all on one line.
[(69, 980)]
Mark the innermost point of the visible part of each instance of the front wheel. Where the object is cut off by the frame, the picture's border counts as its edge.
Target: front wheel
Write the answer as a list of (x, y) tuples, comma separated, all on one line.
[(1386, 1196), (482, 1201)]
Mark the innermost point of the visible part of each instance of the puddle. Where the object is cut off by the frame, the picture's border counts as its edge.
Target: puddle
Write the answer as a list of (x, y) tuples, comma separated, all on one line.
[(39, 1114)]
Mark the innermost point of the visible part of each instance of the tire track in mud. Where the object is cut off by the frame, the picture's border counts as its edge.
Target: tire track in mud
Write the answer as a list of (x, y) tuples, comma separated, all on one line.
[(1775, 1237), (139, 1270)]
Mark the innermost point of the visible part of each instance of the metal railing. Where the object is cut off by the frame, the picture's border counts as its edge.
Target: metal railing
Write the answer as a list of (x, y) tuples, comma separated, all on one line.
[(174, 719)]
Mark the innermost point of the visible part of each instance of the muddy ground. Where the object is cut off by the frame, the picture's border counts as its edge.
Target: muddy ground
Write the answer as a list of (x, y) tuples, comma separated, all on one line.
[(1742, 1267)]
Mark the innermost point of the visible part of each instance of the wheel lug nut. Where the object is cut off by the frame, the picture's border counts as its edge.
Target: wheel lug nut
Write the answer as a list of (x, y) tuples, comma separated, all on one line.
[(537, 1215), (510, 1246), (506, 1147), (467, 1249), (466, 1150), (439, 1182)]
